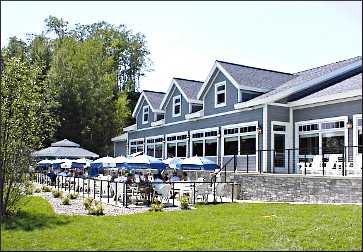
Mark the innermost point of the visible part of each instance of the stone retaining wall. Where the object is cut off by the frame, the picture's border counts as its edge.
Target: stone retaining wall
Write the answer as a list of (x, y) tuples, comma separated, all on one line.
[(299, 188)]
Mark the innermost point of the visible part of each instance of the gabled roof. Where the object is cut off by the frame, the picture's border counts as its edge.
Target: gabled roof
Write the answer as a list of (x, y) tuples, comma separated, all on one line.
[(305, 79), (188, 88), (65, 143), (153, 98), (247, 77), (347, 88)]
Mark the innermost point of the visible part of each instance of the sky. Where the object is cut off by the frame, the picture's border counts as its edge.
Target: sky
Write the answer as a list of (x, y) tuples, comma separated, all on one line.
[(185, 38)]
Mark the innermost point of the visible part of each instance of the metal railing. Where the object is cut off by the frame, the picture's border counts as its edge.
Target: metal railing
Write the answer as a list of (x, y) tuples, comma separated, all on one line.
[(115, 193)]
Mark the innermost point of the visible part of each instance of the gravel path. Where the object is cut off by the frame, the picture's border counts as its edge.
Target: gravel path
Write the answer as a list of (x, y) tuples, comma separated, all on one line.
[(76, 207)]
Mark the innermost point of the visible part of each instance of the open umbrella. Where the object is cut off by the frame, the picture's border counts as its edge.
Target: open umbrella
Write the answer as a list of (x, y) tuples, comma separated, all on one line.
[(43, 164), (121, 162), (56, 164), (197, 163), (145, 162), (67, 164), (101, 163), (171, 162), (80, 163)]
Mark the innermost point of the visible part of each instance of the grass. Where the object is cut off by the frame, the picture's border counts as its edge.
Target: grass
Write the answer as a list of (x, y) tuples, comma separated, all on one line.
[(210, 227)]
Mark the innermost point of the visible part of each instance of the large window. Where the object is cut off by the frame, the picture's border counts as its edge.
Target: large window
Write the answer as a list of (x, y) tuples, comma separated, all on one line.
[(204, 142), (145, 114), (154, 146), (136, 145), (176, 145), (239, 140), (177, 106), (220, 94), (309, 144), (325, 136)]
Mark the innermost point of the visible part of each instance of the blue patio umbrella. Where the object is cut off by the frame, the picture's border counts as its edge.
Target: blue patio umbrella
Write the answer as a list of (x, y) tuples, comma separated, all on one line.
[(56, 164), (99, 164), (121, 162), (80, 163), (197, 163), (171, 162), (44, 164), (145, 162)]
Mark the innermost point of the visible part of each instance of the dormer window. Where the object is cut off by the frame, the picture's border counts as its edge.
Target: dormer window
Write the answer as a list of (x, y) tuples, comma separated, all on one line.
[(145, 114), (220, 94), (177, 106)]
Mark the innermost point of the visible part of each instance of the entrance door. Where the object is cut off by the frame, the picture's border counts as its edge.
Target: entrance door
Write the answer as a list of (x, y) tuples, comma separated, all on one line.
[(279, 146)]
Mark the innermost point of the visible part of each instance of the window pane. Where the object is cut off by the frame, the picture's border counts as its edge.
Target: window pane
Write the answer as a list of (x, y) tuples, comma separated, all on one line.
[(158, 150), (248, 145), (280, 128), (220, 98), (211, 147), (182, 149), (177, 109), (140, 148), (171, 149), (220, 88), (198, 148), (309, 144), (231, 146), (360, 138), (333, 143), (159, 117), (133, 150), (146, 117), (150, 150)]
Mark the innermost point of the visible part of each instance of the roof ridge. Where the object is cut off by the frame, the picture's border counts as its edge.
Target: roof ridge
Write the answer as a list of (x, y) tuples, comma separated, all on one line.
[(187, 79), (151, 91), (309, 69), (258, 68)]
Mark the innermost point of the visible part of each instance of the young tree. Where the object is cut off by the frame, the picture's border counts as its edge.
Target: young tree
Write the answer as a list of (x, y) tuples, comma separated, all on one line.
[(26, 120)]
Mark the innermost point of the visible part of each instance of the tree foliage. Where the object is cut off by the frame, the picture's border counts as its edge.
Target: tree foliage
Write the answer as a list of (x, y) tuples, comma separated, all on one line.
[(26, 121)]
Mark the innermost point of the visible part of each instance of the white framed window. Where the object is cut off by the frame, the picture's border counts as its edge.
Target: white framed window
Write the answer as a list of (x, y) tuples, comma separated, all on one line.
[(136, 145), (145, 114), (357, 134), (176, 145), (327, 135), (220, 94), (155, 146), (204, 142), (177, 106)]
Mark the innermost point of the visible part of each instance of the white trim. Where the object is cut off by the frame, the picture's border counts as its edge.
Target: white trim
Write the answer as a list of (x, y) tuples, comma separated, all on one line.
[(279, 104), (326, 98), (144, 113), (120, 138), (264, 137), (176, 142), (322, 103), (130, 128), (285, 133), (355, 133), (158, 123), (153, 144), (216, 93), (194, 115), (209, 116), (203, 139), (180, 106), (135, 140), (137, 109), (298, 87)]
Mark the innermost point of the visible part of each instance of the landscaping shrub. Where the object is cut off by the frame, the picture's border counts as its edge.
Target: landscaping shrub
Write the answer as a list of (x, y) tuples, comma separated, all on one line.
[(37, 190), (29, 188), (96, 208), (73, 195), (57, 194), (87, 203), (156, 206), (66, 201), (46, 189), (184, 202)]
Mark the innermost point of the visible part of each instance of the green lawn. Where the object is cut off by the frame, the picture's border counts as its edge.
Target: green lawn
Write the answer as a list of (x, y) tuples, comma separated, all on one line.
[(213, 227)]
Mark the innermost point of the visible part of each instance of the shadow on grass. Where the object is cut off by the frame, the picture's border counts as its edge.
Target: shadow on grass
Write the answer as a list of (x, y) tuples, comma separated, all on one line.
[(28, 222)]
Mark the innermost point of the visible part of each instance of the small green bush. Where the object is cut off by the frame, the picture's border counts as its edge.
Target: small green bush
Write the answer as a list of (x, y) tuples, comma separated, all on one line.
[(57, 194), (156, 206), (184, 202), (66, 201), (96, 208), (73, 195), (46, 189), (37, 190), (87, 203), (29, 188)]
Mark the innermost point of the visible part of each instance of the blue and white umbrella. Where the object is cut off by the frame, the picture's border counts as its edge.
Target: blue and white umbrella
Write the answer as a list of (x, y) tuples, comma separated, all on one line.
[(171, 162), (56, 164), (197, 163), (101, 163), (145, 162), (80, 163), (121, 162), (44, 163)]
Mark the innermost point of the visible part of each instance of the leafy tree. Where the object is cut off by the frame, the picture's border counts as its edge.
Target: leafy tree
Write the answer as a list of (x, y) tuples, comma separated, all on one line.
[(26, 121)]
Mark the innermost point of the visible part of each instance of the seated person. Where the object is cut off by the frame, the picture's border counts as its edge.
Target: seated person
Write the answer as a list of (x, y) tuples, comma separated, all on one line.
[(174, 177), (185, 177)]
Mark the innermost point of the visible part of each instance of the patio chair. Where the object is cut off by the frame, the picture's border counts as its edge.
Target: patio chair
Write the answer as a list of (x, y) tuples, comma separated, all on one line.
[(333, 166), (164, 191), (221, 189), (120, 191), (203, 190), (317, 165), (355, 168)]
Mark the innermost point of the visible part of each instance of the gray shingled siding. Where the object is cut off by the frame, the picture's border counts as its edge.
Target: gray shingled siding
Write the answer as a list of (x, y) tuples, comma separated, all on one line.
[(349, 109), (120, 148), (139, 116), (231, 96), (169, 107)]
